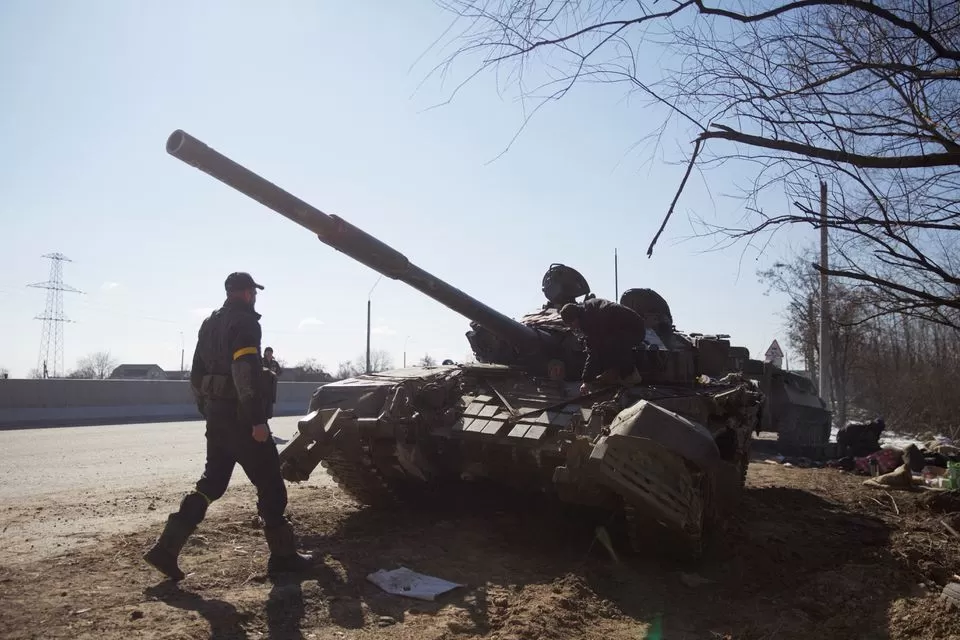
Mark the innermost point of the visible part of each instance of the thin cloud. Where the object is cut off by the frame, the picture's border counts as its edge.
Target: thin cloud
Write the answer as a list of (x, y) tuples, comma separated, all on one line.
[(383, 330), (310, 322), (107, 286)]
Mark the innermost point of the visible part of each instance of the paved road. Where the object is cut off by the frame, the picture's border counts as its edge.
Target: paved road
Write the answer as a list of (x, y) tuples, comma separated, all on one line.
[(128, 456), (62, 486)]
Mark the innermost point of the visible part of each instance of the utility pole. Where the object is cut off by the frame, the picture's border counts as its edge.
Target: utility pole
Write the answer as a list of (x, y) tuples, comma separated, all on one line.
[(825, 392), (811, 337), (181, 352)]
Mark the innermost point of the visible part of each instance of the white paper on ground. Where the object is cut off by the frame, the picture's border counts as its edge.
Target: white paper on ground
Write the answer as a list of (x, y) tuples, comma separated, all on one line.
[(404, 582)]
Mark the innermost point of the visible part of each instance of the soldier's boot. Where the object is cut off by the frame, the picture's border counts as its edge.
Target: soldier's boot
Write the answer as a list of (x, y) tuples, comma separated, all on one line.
[(163, 555), (284, 557)]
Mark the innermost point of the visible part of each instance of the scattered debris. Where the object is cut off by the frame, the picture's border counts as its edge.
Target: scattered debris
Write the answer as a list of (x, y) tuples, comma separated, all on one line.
[(404, 582), (951, 595), (901, 478), (950, 529), (386, 621)]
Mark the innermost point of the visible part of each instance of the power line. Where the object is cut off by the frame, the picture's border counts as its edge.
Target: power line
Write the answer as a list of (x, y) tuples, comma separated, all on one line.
[(51, 337)]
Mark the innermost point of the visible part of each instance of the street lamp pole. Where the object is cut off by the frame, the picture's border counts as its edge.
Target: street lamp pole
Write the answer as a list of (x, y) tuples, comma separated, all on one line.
[(368, 321), (181, 352), (405, 352)]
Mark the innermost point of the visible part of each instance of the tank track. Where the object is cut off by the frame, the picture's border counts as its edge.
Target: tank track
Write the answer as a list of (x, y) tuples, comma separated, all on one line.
[(360, 479), (637, 534)]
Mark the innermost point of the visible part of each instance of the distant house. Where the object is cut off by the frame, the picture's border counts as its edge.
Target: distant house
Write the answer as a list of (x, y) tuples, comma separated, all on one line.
[(299, 374), (138, 372)]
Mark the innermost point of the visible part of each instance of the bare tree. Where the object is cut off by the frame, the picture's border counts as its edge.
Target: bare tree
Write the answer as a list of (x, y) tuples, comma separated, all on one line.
[(380, 360), (346, 370), (97, 366), (892, 365), (427, 361), (4, 372), (312, 370), (862, 95)]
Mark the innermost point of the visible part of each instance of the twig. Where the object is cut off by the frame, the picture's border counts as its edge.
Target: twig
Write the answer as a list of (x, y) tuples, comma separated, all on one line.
[(895, 507), (663, 225), (950, 529)]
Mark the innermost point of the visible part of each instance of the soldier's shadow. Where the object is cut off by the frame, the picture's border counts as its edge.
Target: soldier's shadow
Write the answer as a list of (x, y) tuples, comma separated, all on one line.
[(336, 582), (225, 621), (286, 606)]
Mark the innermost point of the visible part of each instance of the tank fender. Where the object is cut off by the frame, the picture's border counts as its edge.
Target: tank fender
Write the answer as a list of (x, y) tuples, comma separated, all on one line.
[(669, 429), (658, 461)]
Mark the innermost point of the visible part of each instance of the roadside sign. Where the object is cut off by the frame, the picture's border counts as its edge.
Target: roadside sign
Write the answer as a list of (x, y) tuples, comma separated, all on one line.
[(774, 354)]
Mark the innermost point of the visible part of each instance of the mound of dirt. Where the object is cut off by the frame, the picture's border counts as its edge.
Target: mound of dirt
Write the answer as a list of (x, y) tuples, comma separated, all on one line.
[(941, 501)]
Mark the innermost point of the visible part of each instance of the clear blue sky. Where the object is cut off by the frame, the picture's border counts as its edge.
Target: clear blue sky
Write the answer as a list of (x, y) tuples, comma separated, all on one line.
[(323, 99)]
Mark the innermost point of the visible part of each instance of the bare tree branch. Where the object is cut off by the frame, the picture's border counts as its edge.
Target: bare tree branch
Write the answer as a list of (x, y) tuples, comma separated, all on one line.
[(869, 162)]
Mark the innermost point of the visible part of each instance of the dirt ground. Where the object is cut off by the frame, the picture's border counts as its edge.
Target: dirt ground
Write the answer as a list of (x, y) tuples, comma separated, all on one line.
[(811, 553)]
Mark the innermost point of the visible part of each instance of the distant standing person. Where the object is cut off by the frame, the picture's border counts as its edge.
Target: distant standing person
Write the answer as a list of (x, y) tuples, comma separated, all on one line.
[(272, 370), (225, 379)]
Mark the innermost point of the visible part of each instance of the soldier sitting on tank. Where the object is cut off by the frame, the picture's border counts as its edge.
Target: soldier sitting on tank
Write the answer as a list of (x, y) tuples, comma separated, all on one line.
[(610, 331)]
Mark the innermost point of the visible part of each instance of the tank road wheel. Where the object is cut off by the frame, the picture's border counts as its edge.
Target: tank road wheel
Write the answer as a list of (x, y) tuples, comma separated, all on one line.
[(360, 481), (645, 535)]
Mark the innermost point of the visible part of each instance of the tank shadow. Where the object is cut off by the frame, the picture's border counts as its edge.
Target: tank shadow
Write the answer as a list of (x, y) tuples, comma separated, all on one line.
[(789, 564)]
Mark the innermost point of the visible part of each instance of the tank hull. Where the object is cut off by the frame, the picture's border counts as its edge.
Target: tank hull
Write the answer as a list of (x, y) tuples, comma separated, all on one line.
[(671, 455)]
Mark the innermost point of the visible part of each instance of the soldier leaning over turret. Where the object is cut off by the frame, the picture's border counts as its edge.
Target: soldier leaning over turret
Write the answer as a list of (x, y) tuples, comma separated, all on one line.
[(611, 331)]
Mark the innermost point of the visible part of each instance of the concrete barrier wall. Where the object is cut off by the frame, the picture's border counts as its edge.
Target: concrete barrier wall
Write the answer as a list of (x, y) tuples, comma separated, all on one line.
[(39, 403)]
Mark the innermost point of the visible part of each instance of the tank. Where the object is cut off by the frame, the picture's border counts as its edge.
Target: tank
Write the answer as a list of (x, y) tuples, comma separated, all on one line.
[(668, 456)]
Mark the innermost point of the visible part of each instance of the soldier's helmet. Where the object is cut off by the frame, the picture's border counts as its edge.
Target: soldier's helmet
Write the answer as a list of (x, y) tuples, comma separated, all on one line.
[(562, 284), (651, 306)]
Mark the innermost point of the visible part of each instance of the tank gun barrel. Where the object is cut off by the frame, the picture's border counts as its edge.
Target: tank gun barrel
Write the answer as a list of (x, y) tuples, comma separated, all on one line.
[(346, 238)]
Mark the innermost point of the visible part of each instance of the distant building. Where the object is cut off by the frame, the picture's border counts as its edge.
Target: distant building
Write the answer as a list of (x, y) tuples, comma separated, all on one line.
[(299, 374), (138, 372), (178, 375)]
